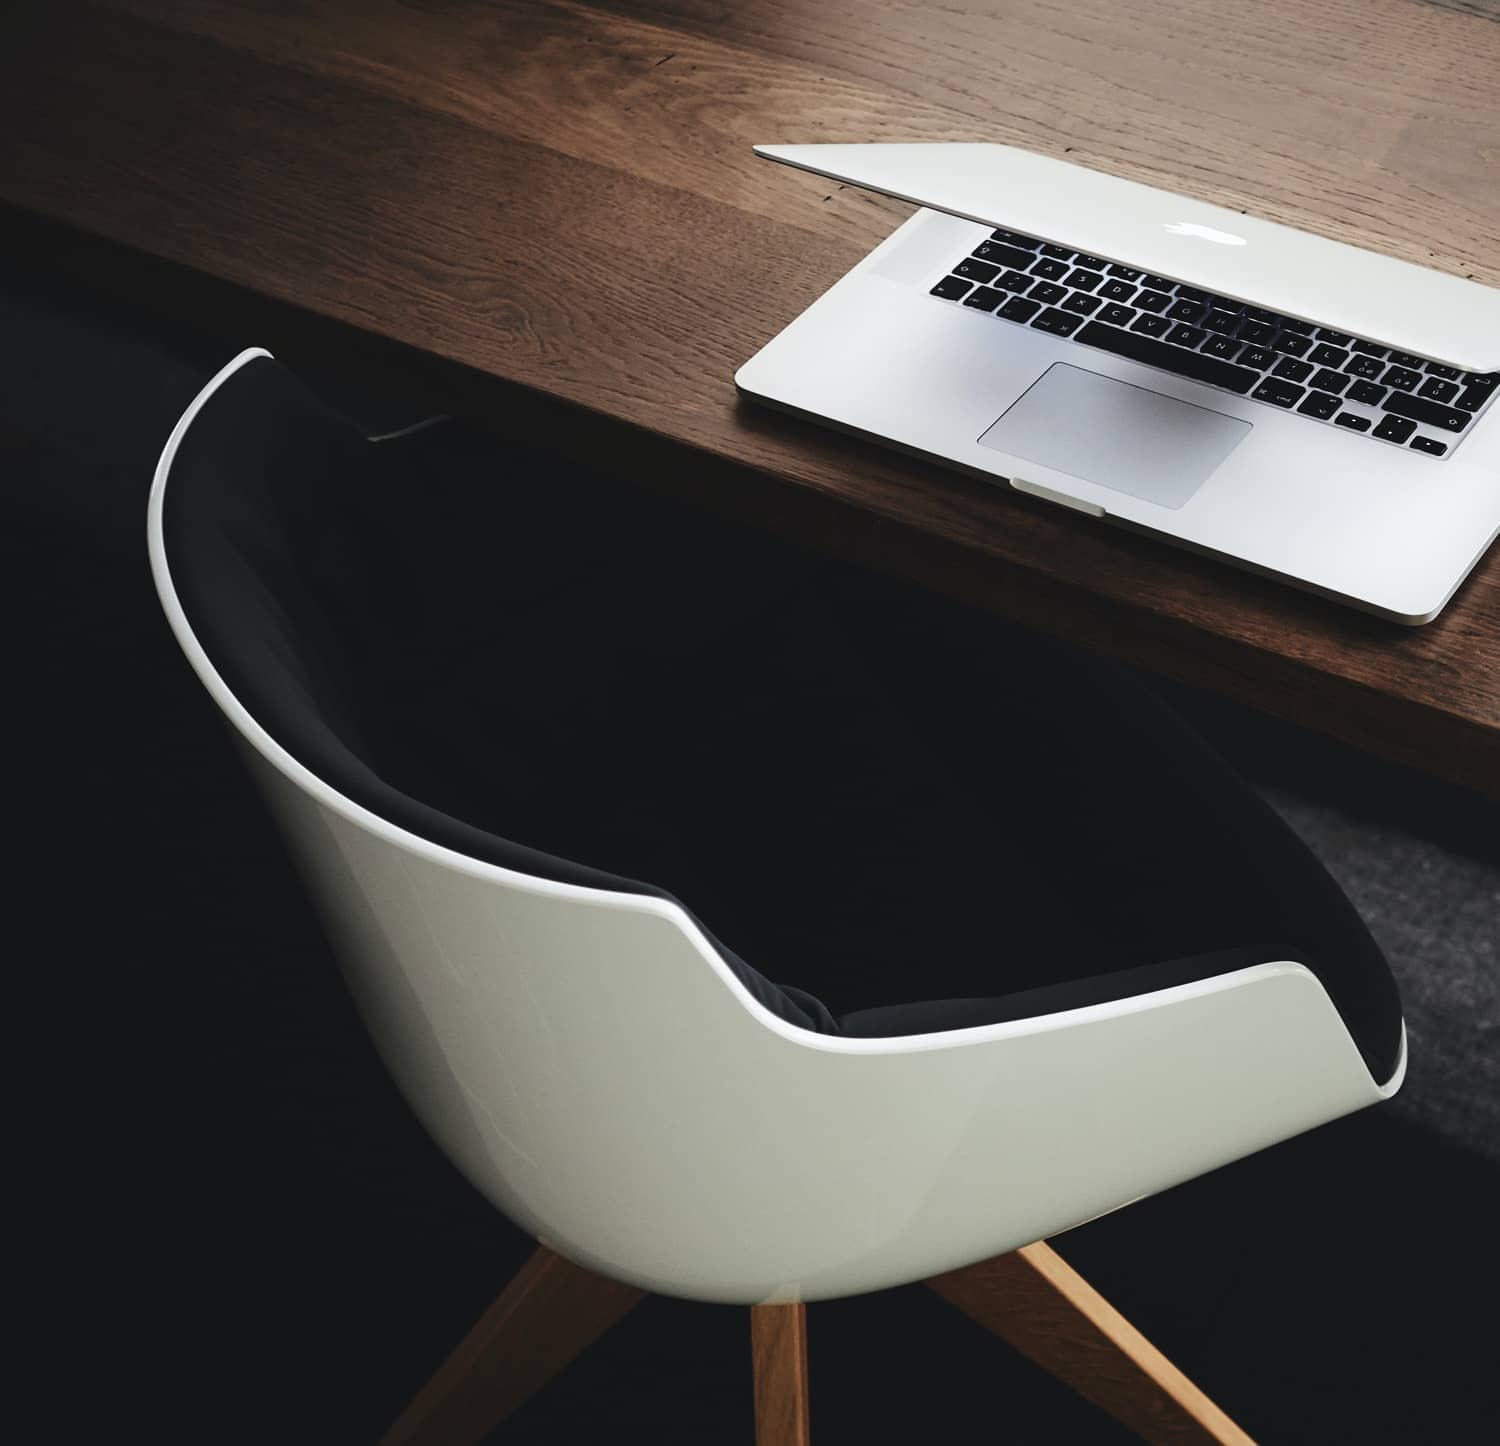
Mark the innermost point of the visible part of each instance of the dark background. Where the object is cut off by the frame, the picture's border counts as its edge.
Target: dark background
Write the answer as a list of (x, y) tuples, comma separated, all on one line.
[(238, 1231)]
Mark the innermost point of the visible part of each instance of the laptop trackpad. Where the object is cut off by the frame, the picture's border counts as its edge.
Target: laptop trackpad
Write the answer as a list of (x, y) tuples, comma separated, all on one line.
[(1120, 436)]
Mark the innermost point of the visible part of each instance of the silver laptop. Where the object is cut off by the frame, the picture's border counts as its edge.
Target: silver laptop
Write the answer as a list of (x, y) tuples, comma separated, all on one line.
[(1304, 408)]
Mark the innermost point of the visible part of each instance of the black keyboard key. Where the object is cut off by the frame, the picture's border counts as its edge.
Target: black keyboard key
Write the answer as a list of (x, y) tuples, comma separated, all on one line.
[(1059, 323), (1353, 421), (1257, 356), (976, 270), (1419, 409), (1051, 270), (1363, 366), (950, 288), (1368, 348), (1279, 393), (1395, 429), (1336, 337), (1014, 238), (997, 251), (1151, 325), (1185, 310), (1366, 392), (1319, 405), (1185, 335), (1257, 313), (1156, 353), (1401, 378), (1257, 332), (984, 298), (1081, 301), (1328, 356), (1220, 321), (1094, 263), (1437, 369), (1428, 444), (1116, 290), (1327, 381), (1061, 253), (1085, 280), (1117, 315), (1189, 293), (1406, 359), (1156, 283), (1014, 281), (1224, 346), (1485, 381), (1018, 308), (1475, 394), (1153, 301), (1124, 273), (1293, 343), (1438, 389), (1047, 293), (1292, 369), (1287, 323)]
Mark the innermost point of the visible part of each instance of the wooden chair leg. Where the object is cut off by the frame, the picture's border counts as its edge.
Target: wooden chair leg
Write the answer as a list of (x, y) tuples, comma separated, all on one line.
[(1034, 1300), (778, 1352), (548, 1314)]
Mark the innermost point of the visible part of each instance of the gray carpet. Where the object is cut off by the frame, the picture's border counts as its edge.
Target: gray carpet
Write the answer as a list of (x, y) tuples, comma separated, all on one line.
[(1421, 861), (1435, 911)]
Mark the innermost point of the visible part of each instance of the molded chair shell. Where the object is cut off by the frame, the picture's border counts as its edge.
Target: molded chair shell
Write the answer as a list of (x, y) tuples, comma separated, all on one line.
[(595, 1068)]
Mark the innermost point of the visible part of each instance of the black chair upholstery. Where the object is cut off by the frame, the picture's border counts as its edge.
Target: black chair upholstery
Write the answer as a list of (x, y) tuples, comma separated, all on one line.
[(924, 819)]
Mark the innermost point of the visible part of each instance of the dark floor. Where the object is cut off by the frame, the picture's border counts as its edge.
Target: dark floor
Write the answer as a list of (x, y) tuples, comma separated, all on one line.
[(245, 1237)]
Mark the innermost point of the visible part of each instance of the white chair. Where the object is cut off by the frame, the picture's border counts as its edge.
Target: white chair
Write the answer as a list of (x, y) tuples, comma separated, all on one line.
[(595, 1065)]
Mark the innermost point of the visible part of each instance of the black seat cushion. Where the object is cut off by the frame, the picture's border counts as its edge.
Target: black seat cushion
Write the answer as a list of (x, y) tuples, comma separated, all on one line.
[(926, 819)]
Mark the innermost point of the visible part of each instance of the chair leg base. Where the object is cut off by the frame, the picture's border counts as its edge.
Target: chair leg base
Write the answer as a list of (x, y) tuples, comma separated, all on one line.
[(1036, 1302), (1031, 1298)]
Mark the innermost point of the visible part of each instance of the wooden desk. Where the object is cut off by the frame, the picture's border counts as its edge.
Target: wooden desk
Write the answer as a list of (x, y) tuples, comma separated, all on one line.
[(558, 200)]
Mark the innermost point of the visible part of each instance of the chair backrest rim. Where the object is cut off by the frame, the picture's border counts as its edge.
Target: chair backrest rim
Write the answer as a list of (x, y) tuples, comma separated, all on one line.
[(324, 795)]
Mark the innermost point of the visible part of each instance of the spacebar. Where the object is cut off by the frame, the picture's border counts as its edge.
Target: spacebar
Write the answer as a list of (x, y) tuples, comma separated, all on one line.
[(1169, 358)]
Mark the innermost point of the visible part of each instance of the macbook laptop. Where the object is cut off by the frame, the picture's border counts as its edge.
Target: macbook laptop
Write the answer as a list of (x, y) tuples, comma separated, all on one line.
[(1304, 408)]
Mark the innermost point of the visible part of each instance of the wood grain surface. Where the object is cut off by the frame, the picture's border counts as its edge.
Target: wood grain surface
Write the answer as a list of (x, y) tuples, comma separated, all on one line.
[(778, 1358), (1034, 1300), (559, 200), (549, 1313)]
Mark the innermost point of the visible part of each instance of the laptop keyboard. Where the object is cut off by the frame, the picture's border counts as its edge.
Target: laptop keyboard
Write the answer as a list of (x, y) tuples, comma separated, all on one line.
[(1393, 396)]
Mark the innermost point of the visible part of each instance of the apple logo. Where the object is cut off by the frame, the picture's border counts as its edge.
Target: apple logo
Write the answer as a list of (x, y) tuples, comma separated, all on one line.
[(1206, 233)]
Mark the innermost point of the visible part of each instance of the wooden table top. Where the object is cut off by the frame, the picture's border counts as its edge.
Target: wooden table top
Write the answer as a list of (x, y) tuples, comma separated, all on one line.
[(561, 198)]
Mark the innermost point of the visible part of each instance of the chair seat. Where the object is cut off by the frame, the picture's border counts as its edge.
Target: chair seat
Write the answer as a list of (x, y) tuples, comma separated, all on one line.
[(913, 817)]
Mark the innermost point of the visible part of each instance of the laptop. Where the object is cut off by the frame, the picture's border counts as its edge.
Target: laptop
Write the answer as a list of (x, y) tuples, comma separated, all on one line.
[(1307, 409)]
